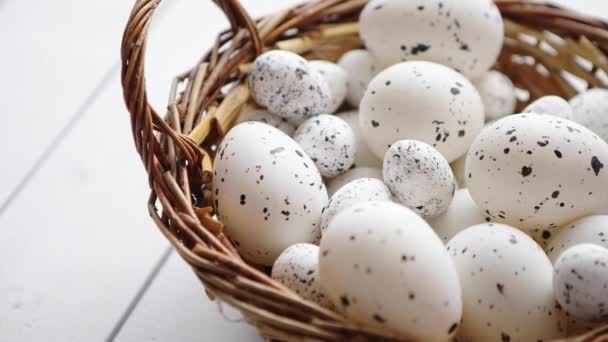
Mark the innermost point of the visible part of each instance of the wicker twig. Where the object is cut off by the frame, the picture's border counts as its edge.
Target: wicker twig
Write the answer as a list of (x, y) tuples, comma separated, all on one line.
[(542, 43)]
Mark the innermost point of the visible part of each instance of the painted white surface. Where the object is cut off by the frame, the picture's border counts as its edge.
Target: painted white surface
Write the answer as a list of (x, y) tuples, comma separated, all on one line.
[(76, 244)]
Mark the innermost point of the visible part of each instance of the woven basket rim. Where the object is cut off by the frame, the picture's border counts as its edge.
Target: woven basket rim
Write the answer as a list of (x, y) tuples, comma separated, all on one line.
[(177, 149)]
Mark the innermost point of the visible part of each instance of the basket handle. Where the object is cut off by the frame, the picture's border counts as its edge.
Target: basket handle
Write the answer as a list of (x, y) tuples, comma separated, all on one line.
[(143, 117)]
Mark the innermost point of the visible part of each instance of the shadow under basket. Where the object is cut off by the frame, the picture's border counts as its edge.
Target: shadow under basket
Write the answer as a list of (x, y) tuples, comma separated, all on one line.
[(547, 51)]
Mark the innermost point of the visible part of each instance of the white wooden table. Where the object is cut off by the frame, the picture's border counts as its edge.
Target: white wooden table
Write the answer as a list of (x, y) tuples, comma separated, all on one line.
[(79, 258)]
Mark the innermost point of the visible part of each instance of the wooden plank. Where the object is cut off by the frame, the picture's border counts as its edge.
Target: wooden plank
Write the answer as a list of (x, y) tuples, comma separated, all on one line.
[(176, 309)]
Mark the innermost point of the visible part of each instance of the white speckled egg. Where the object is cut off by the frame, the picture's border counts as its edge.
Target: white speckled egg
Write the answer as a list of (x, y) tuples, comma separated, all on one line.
[(497, 93), (461, 214), (330, 143), (360, 67), (336, 183), (590, 108), (419, 177), (536, 171), (422, 101), (506, 284), (285, 83), (262, 115), (364, 156), (359, 190), (580, 282), (336, 78), (590, 229), (268, 192), (383, 266), (466, 35), (297, 267), (458, 171), (551, 105)]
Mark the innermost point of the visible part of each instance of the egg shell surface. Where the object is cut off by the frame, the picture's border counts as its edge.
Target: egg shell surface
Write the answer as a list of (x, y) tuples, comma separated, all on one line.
[(297, 267), (336, 183), (330, 143), (268, 118), (460, 215), (287, 86), (383, 266), (268, 192), (589, 109), (466, 35), (360, 67), (580, 281), (497, 93), (419, 177), (421, 101), (590, 229), (537, 171), (550, 105), (336, 78), (507, 286), (364, 156)]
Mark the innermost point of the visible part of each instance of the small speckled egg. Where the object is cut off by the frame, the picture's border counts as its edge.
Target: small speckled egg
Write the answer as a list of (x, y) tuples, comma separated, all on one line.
[(461, 214), (458, 171), (466, 35), (285, 83), (580, 282), (497, 93), (297, 267), (364, 156), (262, 115), (506, 284), (359, 190), (590, 229), (336, 183), (330, 143), (422, 101), (336, 78), (551, 105), (360, 67), (536, 171), (419, 177), (590, 108), (268, 192), (383, 266)]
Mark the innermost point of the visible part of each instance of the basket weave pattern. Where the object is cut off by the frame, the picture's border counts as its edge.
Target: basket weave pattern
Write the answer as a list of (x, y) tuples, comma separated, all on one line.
[(177, 148)]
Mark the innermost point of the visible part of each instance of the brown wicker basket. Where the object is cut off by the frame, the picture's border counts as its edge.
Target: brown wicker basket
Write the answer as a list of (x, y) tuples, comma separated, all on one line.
[(544, 47)]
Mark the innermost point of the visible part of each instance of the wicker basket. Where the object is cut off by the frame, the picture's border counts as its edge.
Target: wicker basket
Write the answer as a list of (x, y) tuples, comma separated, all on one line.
[(177, 149)]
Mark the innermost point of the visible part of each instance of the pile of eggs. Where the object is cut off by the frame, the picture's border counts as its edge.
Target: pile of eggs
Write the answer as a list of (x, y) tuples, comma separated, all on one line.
[(429, 209)]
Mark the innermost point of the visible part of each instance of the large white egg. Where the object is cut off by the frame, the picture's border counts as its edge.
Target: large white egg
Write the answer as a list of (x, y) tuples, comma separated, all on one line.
[(421, 101), (506, 284), (297, 267), (359, 190), (466, 35), (360, 67), (285, 83), (268, 192), (461, 214), (330, 143), (497, 93), (590, 108), (336, 183), (383, 266), (364, 156), (419, 177), (590, 229), (580, 282), (537, 171), (336, 78)]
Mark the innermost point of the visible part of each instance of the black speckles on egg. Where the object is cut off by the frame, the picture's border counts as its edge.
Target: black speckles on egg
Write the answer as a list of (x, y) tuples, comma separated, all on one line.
[(526, 171), (375, 123), (329, 141), (454, 91), (283, 82), (596, 165), (419, 177)]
